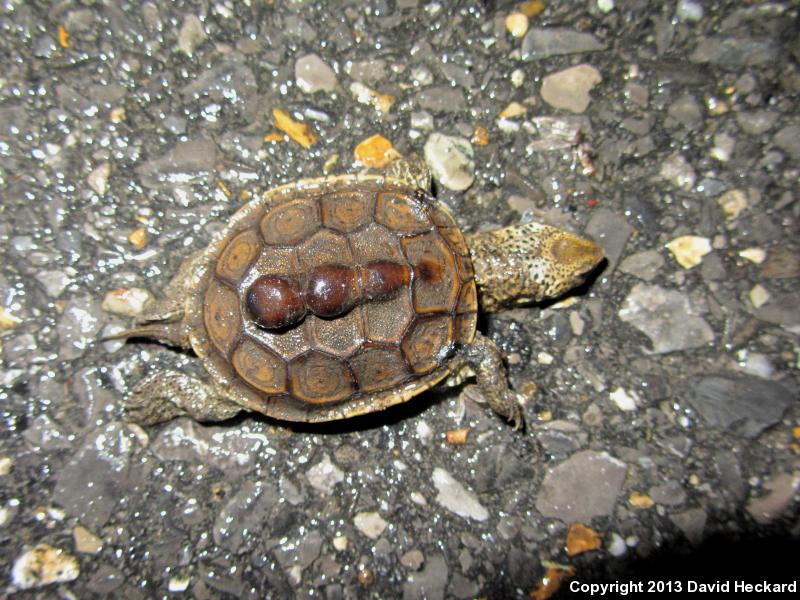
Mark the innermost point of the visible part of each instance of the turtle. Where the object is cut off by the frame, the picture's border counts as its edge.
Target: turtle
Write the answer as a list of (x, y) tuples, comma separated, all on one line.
[(336, 296)]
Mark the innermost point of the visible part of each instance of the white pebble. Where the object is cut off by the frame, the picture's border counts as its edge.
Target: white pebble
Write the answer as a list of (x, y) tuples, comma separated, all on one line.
[(451, 161), (371, 524), (544, 358), (605, 6), (178, 583), (689, 10), (126, 302), (625, 401), (340, 542), (617, 545), (42, 566), (418, 498), (755, 363), (732, 203), (689, 250), (759, 296), (754, 255), (455, 497), (517, 77), (98, 178)]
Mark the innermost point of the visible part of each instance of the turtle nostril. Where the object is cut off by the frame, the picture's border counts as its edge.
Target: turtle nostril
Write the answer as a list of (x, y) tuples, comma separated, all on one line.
[(275, 302)]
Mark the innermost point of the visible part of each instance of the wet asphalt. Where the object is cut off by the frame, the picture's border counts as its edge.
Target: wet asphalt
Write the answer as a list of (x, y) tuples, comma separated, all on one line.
[(663, 423)]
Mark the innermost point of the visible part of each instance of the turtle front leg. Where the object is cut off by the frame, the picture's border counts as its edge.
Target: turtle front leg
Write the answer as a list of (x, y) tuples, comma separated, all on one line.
[(166, 395), (484, 357)]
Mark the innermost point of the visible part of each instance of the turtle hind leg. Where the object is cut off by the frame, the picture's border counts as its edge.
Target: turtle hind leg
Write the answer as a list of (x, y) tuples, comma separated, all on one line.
[(166, 395), (484, 357)]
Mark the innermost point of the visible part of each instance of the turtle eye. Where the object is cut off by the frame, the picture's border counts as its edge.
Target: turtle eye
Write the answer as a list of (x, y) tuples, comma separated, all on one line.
[(275, 302)]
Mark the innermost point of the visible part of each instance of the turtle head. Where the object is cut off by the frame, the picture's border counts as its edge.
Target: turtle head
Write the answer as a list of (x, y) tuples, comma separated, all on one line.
[(529, 263), (566, 261)]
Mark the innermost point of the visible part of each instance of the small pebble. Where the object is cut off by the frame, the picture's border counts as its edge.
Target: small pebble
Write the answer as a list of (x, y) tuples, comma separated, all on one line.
[(413, 559), (733, 202), (191, 34), (689, 250), (421, 119), (325, 475), (5, 465), (340, 543), (577, 323), (314, 75), (7, 320), (457, 437), (605, 6), (375, 152), (480, 136), (364, 95), (581, 538), (677, 170), (569, 89), (98, 178), (755, 363), (759, 296), (371, 524), (515, 109), (616, 545), (517, 77), (298, 131), (723, 147), (177, 584), (532, 8), (754, 255), (642, 501), (138, 238), (689, 10), (126, 302), (85, 541), (451, 161), (517, 24), (455, 497), (421, 76), (42, 566), (625, 401), (545, 358)]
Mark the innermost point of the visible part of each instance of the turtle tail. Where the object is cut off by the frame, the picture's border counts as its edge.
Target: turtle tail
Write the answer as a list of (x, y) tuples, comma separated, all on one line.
[(170, 333)]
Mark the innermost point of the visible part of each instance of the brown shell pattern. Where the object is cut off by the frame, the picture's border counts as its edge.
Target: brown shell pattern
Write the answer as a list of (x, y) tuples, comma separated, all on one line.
[(379, 353)]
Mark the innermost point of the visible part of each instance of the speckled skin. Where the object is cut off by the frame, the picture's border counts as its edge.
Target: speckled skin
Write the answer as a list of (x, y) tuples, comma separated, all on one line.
[(512, 266), (528, 263)]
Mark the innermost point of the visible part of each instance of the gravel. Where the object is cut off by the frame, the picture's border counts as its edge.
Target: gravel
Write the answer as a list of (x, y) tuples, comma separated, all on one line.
[(661, 400)]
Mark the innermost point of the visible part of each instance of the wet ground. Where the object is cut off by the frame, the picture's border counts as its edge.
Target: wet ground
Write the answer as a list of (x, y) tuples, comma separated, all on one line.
[(662, 399)]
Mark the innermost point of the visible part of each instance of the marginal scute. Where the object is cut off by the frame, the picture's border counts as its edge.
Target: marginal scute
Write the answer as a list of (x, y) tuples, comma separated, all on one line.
[(396, 212), (468, 298), (436, 282), (455, 240), (291, 222), (221, 315), (442, 217), (320, 379), (238, 255), (379, 368), (428, 343), (346, 211), (260, 367)]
